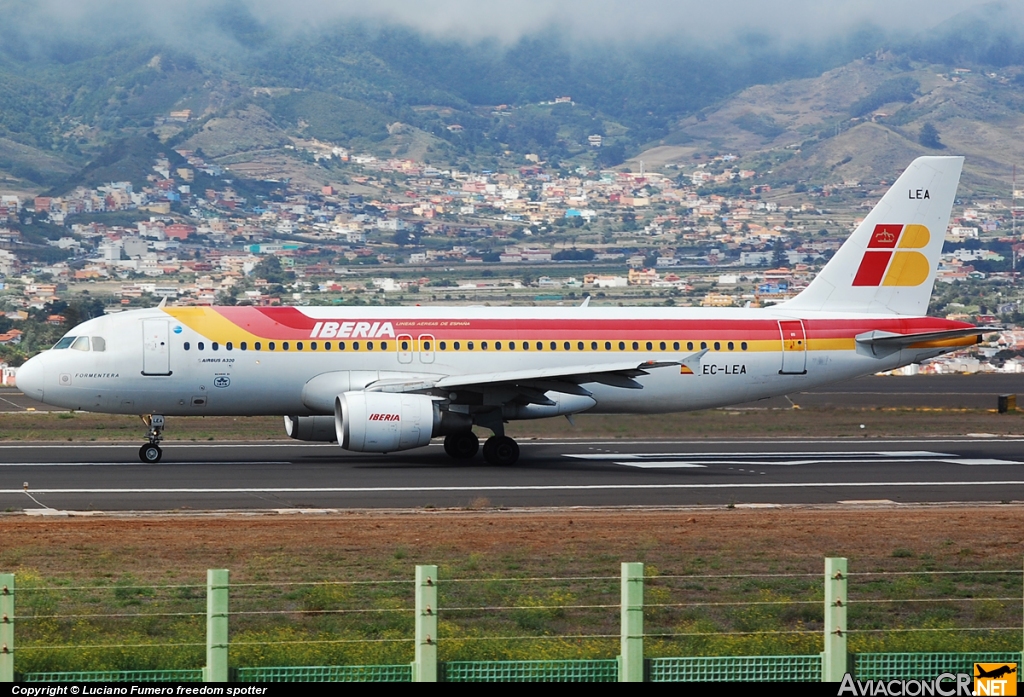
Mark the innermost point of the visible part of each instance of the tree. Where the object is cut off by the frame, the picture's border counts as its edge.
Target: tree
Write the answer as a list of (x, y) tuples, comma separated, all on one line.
[(779, 256), (930, 137)]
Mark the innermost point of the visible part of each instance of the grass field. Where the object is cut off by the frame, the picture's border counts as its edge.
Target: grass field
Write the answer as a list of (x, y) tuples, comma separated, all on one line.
[(127, 592)]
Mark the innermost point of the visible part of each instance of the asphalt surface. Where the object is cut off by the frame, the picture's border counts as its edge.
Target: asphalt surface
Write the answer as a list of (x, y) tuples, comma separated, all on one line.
[(291, 477), (297, 476), (940, 391)]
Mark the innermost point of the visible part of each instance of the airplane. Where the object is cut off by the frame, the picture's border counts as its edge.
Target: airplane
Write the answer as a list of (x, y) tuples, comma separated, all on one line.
[(388, 379)]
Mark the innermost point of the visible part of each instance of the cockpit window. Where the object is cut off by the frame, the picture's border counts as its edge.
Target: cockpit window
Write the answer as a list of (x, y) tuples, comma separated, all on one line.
[(64, 343), (81, 344), (99, 343)]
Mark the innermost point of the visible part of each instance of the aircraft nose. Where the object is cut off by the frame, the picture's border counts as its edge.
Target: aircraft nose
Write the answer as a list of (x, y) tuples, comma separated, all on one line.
[(29, 378)]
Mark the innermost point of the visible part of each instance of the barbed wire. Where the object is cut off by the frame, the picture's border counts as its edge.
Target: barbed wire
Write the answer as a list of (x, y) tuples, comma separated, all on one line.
[(735, 603), (934, 573), (546, 637), (925, 600), (65, 647), (530, 579), (719, 576), (323, 641), (319, 612), (106, 615), (527, 607), (1015, 628), (32, 589), (663, 635)]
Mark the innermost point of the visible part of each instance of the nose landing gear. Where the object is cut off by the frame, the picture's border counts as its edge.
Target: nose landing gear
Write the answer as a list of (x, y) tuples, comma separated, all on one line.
[(151, 452)]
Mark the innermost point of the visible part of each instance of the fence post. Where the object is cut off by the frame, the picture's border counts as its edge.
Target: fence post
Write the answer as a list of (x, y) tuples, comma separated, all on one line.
[(6, 627), (216, 626), (834, 658), (631, 659), (424, 665)]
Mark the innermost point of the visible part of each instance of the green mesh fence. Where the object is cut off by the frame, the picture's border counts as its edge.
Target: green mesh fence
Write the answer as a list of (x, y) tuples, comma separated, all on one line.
[(804, 668), (606, 670), (923, 666), (116, 676), (382, 673)]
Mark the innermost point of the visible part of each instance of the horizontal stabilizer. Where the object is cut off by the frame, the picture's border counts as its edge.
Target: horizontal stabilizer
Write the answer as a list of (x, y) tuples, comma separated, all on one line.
[(881, 342)]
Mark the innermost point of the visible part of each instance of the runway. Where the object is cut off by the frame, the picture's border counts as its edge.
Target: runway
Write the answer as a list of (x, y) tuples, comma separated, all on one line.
[(293, 477)]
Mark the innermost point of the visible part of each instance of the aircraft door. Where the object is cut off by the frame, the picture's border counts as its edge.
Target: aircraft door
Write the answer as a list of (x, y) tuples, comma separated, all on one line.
[(156, 355), (404, 344), (794, 347), (426, 348)]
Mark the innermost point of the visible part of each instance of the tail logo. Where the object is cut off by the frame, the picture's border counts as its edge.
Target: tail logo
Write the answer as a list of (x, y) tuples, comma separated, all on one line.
[(885, 262)]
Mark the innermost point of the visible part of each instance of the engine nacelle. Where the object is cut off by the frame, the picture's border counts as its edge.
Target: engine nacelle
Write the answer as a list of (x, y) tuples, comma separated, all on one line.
[(314, 428), (385, 422)]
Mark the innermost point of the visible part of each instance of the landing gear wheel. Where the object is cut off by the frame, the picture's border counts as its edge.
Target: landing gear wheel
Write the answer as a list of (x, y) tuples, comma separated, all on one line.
[(150, 453), (462, 446), (501, 451)]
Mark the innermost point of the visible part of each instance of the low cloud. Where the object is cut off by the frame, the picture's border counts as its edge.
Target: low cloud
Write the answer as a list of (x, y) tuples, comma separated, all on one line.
[(506, 21)]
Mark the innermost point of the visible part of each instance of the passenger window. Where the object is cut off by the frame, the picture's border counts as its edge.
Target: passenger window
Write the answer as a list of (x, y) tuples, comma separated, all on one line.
[(689, 345), (81, 344), (284, 345), (675, 345), (579, 345), (187, 346), (271, 346), (64, 343), (298, 345), (497, 346), (540, 345), (312, 346), (526, 346), (229, 346), (369, 345), (512, 345), (554, 346), (202, 346), (622, 345), (469, 345), (662, 345), (355, 346), (327, 346), (384, 346), (650, 345), (99, 343), (607, 346), (483, 345), (259, 345), (215, 346), (244, 346), (444, 345)]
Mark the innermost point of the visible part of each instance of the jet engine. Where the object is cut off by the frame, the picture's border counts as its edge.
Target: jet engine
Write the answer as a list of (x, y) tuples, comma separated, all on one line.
[(385, 422), (315, 428)]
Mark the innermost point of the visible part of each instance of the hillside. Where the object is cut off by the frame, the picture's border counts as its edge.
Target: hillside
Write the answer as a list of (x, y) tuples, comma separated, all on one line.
[(863, 120), (811, 109)]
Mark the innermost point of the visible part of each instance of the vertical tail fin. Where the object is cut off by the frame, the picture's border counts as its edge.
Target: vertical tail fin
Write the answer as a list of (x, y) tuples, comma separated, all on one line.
[(888, 264)]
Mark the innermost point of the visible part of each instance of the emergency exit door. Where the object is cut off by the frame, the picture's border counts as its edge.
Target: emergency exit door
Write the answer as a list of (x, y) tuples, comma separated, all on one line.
[(156, 355), (794, 347)]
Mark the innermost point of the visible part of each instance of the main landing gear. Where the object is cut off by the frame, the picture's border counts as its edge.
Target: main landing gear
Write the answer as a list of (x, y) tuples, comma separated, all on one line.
[(500, 451), (151, 452)]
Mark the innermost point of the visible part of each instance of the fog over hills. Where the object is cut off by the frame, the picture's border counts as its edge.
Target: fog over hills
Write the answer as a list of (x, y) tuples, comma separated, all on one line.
[(422, 79)]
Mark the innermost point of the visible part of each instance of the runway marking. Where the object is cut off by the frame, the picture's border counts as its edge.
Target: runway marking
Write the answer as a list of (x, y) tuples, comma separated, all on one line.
[(791, 453), (523, 487), (141, 464), (781, 459)]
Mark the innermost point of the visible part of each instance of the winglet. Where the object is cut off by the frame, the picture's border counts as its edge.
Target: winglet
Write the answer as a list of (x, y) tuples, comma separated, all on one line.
[(586, 302), (163, 303)]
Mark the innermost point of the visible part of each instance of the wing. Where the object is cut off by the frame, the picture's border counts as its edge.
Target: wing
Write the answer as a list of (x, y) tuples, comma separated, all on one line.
[(529, 386)]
